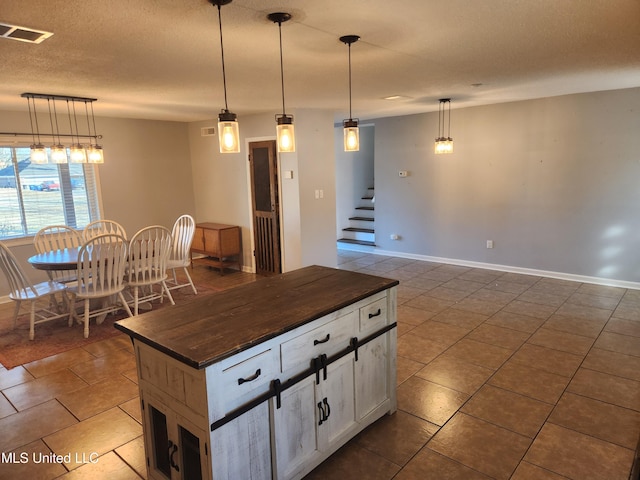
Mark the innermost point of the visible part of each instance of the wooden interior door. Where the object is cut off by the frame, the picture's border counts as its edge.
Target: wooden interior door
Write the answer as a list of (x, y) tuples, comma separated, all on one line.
[(266, 207)]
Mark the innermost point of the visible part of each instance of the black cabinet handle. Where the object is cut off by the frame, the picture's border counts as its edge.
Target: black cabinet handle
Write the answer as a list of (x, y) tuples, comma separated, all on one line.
[(249, 379), (371, 315), (325, 340), (324, 412), (328, 412), (173, 448), (322, 417)]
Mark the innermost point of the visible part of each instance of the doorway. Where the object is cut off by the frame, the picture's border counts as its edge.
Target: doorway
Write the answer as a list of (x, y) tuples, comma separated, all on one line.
[(265, 205)]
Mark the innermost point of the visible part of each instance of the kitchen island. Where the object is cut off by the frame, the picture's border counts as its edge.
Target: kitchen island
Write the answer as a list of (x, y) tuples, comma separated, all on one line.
[(268, 379)]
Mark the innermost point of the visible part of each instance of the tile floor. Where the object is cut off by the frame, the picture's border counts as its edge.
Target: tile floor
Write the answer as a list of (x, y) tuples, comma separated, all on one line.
[(500, 376)]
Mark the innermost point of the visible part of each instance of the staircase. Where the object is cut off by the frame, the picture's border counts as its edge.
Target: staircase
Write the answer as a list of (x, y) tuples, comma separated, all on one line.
[(360, 231)]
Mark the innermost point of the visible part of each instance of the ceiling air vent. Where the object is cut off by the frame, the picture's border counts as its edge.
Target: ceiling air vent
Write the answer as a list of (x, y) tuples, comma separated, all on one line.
[(207, 131), (23, 34)]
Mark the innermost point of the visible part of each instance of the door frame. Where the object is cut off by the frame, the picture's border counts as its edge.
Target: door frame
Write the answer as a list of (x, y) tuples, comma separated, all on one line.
[(250, 201)]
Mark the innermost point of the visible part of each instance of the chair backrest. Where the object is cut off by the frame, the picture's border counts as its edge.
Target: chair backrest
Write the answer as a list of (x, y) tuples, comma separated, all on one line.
[(56, 237), (102, 261), (20, 286), (182, 237), (149, 251), (101, 227)]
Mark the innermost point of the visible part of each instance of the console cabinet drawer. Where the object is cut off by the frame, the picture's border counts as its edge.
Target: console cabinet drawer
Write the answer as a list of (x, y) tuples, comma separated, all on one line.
[(326, 339)]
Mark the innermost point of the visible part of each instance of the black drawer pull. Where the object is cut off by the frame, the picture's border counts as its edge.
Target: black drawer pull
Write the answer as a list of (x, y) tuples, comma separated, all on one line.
[(249, 379), (371, 315), (317, 342), (173, 448)]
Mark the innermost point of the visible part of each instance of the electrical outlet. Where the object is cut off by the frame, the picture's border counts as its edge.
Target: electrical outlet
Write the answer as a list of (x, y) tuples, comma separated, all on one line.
[(489, 243)]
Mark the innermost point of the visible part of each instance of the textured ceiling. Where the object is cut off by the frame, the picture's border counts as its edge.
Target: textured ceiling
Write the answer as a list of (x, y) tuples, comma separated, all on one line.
[(160, 59)]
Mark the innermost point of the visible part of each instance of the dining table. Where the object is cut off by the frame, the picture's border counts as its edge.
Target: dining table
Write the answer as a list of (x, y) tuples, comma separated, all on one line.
[(66, 259)]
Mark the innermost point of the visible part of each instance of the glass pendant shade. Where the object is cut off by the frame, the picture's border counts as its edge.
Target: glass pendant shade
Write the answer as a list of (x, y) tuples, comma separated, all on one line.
[(77, 154), (285, 134), (38, 153), (59, 154), (351, 135), (95, 154), (228, 132), (444, 145)]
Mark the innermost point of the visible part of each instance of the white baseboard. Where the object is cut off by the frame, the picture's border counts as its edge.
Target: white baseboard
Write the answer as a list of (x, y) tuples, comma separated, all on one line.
[(505, 268)]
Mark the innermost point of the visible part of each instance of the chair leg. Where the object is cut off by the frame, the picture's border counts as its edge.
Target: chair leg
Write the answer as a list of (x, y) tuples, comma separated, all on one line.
[(135, 301), (195, 292), (86, 318), (123, 302), (72, 310), (32, 321), (15, 313), (166, 290)]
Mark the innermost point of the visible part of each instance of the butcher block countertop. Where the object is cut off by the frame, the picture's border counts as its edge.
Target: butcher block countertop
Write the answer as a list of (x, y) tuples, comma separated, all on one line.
[(215, 326)]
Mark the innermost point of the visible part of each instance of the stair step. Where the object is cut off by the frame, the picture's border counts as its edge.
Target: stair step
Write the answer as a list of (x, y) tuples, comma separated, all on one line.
[(357, 242), (362, 219), (364, 208), (355, 229)]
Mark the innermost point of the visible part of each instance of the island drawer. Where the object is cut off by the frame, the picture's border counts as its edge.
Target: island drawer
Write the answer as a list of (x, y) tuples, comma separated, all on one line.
[(373, 316), (326, 339), (249, 376)]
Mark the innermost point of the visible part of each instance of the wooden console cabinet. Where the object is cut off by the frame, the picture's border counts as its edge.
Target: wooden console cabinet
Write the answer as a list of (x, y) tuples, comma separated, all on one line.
[(268, 379), (220, 244)]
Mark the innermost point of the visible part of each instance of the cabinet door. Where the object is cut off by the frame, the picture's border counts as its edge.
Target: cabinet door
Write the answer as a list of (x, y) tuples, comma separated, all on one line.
[(336, 398), (198, 240), (212, 242), (241, 449), (294, 427), (372, 376), (176, 449)]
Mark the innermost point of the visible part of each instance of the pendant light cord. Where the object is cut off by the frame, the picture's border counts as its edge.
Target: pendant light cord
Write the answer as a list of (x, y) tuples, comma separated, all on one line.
[(350, 115), (281, 67), (224, 76)]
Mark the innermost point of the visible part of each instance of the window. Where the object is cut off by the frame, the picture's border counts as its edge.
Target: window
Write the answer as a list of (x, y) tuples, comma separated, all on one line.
[(33, 196)]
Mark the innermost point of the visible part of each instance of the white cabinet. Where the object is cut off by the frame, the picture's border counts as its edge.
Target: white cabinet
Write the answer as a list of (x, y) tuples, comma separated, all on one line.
[(268, 379)]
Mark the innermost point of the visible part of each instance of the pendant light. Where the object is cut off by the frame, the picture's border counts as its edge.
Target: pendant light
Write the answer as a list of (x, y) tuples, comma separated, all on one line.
[(285, 132), (444, 144), (58, 151), (95, 154), (38, 150), (228, 131), (77, 154), (350, 126)]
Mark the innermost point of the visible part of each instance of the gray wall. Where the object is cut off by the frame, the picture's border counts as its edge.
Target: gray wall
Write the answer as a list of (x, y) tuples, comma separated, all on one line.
[(553, 182)]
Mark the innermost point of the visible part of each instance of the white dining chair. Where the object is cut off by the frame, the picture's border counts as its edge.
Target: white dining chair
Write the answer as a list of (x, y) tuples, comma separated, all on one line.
[(58, 237), (22, 290), (101, 268), (101, 227), (181, 239), (149, 251)]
